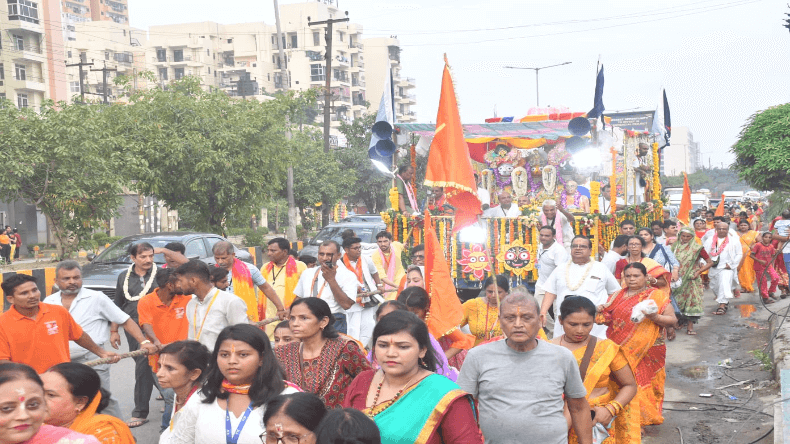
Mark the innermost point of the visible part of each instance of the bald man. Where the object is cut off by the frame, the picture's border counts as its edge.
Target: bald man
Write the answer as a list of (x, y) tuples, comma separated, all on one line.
[(524, 374), (505, 207)]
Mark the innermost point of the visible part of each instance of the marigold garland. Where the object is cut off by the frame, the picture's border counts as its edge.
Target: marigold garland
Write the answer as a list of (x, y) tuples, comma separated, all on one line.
[(656, 179), (535, 249), (595, 192), (394, 198)]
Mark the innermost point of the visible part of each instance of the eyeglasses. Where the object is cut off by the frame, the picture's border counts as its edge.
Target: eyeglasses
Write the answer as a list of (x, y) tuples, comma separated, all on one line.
[(579, 247), (272, 438)]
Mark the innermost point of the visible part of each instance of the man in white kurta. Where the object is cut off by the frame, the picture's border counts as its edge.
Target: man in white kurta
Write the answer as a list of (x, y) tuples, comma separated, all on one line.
[(505, 207), (550, 254), (361, 320), (559, 219), (581, 276), (726, 252), (707, 239)]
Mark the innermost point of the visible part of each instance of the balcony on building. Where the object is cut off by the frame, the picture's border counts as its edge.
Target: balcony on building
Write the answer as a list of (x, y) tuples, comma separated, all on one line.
[(28, 53), (394, 54), (30, 85), (23, 15), (407, 82)]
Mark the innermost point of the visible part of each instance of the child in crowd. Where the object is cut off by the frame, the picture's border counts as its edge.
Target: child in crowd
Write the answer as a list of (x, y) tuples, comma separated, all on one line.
[(283, 334), (763, 255), (219, 277), (310, 261)]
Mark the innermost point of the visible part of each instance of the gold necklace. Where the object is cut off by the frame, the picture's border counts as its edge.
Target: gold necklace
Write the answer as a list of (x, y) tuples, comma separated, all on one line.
[(584, 276)]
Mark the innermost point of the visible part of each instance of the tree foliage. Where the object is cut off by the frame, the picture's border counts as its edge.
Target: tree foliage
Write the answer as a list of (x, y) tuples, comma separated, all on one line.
[(717, 180), (762, 153), (68, 161), (205, 152), (369, 185)]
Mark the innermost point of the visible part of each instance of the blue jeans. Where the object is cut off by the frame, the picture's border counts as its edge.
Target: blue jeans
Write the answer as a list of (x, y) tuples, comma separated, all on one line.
[(786, 257), (340, 322)]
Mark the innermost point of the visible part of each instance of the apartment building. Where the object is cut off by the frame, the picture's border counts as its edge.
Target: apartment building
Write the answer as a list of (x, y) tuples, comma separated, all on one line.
[(384, 54), (96, 10), (104, 44), (682, 154)]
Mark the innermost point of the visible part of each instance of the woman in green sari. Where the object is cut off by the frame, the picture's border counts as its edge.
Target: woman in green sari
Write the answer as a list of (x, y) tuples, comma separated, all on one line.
[(689, 295), (408, 402)]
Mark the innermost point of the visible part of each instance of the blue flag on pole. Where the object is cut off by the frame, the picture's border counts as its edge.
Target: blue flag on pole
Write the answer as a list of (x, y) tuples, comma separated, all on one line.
[(598, 107)]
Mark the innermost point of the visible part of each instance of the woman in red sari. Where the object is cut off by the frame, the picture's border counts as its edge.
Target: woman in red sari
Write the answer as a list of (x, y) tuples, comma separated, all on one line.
[(779, 263), (323, 362), (408, 402), (642, 343)]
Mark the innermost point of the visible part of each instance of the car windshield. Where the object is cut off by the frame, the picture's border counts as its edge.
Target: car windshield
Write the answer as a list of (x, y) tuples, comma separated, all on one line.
[(119, 251), (333, 233)]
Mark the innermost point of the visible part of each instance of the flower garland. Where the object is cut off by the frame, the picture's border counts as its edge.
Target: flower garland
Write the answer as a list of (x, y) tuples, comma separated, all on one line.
[(405, 229), (520, 180), (145, 288), (535, 249), (580, 282), (595, 192), (394, 198), (413, 158), (656, 179)]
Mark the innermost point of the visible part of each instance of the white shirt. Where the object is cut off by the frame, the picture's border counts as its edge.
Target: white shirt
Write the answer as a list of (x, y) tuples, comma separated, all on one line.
[(548, 259), (345, 279), (731, 255), (226, 310), (598, 284), (782, 227), (498, 211), (660, 240), (609, 260), (201, 423), (484, 196), (368, 270), (94, 312), (567, 230)]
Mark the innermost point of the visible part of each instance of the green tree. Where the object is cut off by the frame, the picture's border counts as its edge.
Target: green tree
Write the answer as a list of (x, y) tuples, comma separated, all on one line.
[(318, 177), (68, 161), (206, 152), (762, 152)]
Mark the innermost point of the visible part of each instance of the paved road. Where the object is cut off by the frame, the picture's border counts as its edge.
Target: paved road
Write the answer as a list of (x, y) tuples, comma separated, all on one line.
[(693, 369)]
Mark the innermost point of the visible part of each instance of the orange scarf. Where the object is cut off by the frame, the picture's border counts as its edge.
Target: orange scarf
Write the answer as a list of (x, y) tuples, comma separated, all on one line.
[(357, 271), (242, 287), (291, 279), (104, 427)]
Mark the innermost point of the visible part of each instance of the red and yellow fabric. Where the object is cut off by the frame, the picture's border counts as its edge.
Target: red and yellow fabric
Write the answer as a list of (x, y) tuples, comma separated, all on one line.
[(608, 358), (107, 429), (243, 288), (284, 286), (449, 164), (644, 347)]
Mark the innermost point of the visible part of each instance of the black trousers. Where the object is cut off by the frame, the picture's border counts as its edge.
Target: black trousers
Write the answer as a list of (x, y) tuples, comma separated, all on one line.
[(143, 380)]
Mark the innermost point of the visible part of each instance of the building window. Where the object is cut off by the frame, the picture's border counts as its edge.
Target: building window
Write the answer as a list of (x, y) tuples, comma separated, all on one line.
[(2, 74), (106, 55), (20, 72), (209, 70), (161, 55), (208, 51), (162, 73), (293, 41), (317, 72), (230, 40), (179, 73), (316, 39), (69, 54), (21, 100), (23, 10), (19, 42), (178, 55), (123, 57), (74, 87), (340, 36)]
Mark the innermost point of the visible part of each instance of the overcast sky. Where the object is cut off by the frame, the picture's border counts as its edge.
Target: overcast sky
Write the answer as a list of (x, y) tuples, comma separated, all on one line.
[(719, 60)]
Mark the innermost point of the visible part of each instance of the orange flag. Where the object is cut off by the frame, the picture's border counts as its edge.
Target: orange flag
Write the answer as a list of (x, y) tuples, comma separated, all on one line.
[(685, 202), (446, 310), (449, 164), (720, 208)]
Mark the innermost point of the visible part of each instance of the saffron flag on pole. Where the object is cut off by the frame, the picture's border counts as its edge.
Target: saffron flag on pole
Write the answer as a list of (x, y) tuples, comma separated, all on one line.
[(720, 208), (446, 312), (449, 164), (685, 202)]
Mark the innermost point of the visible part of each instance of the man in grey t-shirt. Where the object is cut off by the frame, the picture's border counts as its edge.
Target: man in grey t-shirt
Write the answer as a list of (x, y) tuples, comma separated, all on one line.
[(519, 382)]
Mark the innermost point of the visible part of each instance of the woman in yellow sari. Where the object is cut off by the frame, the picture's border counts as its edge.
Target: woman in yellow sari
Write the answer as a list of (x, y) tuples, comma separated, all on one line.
[(746, 269), (608, 377), (642, 343)]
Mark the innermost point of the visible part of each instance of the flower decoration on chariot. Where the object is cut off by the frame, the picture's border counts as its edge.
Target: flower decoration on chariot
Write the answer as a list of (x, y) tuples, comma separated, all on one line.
[(517, 258), (475, 261)]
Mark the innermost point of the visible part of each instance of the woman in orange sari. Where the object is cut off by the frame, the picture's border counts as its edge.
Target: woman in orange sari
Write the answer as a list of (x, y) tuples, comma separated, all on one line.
[(74, 397), (746, 269), (608, 377), (642, 343)]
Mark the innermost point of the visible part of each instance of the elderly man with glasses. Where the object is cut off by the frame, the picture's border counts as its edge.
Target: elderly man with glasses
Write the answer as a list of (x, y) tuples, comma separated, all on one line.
[(580, 276)]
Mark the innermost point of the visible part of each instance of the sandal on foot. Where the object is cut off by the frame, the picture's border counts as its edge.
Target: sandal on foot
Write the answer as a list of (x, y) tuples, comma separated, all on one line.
[(720, 311), (691, 332), (136, 422), (767, 301)]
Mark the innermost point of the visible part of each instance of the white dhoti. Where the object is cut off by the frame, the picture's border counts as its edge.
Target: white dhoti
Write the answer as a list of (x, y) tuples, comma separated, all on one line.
[(361, 324), (721, 282)]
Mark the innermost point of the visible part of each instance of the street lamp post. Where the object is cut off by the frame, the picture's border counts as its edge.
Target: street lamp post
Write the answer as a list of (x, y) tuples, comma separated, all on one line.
[(537, 71)]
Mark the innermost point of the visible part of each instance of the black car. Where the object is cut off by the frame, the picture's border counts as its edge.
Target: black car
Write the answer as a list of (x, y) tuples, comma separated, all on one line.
[(101, 274)]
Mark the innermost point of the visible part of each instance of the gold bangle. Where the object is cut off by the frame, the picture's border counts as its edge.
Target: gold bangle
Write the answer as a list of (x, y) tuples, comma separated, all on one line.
[(610, 409)]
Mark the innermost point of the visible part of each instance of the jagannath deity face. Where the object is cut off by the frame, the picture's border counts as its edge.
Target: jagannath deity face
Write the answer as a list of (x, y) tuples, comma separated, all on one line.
[(517, 257), (505, 169), (475, 261)]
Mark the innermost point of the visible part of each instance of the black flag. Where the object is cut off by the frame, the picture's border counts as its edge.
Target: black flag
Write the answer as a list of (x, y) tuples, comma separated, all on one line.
[(667, 120)]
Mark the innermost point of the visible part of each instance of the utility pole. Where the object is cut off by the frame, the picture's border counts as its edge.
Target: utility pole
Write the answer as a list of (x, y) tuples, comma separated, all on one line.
[(104, 72), (328, 72), (83, 62), (537, 71), (290, 232), (284, 82)]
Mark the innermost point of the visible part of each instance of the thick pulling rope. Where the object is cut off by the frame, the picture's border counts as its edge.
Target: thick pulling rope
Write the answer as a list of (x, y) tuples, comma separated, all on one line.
[(141, 352)]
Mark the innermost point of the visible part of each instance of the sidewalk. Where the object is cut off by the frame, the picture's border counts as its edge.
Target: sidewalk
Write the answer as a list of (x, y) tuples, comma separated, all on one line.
[(780, 356)]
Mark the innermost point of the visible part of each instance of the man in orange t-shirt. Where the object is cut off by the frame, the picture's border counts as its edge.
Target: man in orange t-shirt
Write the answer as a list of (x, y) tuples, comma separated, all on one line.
[(5, 246), (38, 334)]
